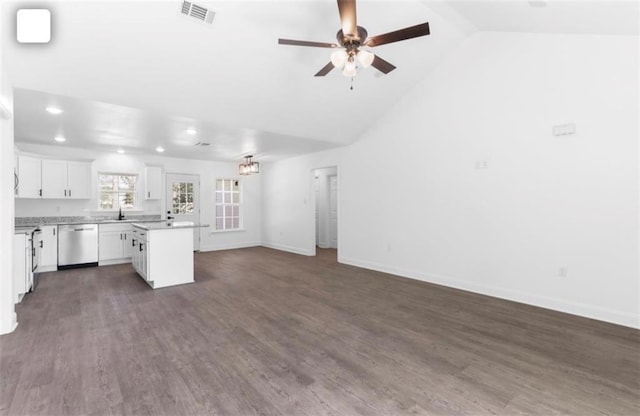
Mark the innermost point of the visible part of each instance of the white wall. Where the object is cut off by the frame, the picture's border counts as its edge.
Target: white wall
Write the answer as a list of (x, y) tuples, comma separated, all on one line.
[(413, 201), (288, 219), (8, 319), (113, 162)]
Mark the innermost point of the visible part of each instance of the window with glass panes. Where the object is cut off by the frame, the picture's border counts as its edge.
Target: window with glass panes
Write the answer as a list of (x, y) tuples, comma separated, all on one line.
[(182, 193), (227, 204), (117, 191)]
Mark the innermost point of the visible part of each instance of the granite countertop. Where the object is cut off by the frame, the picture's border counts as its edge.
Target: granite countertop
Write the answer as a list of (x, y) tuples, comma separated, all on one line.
[(168, 225), (38, 221)]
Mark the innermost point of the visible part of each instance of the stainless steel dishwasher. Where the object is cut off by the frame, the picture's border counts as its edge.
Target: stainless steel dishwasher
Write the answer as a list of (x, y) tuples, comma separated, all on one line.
[(77, 245)]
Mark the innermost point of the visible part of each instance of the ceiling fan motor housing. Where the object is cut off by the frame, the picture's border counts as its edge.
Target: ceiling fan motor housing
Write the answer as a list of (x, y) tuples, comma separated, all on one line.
[(352, 41)]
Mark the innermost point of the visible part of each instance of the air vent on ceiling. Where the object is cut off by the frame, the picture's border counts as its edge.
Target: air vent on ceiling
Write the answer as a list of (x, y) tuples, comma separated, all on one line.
[(197, 12), (203, 144)]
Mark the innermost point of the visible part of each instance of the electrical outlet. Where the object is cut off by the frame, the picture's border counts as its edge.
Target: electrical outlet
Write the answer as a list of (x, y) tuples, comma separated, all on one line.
[(482, 164)]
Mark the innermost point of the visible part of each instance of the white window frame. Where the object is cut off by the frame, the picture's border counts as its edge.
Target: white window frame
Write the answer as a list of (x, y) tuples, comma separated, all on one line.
[(118, 192), (224, 204)]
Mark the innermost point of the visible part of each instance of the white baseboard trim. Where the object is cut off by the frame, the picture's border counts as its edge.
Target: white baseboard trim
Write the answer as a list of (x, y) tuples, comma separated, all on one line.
[(112, 262), (217, 247), (44, 269), (290, 249), (570, 307), (10, 325)]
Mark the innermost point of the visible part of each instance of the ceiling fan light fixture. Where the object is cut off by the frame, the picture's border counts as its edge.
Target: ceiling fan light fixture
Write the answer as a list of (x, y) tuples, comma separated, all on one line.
[(365, 58), (349, 68), (248, 167), (338, 58)]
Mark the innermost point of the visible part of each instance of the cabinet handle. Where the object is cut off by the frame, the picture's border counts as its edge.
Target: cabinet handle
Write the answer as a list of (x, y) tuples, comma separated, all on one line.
[(65, 192), (69, 192), (54, 230), (148, 194), (140, 245), (40, 192), (133, 242), (125, 236), (41, 244), (120, 236)]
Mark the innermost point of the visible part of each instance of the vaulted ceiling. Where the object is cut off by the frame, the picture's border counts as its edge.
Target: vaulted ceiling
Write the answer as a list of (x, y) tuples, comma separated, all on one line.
[(137, 74)]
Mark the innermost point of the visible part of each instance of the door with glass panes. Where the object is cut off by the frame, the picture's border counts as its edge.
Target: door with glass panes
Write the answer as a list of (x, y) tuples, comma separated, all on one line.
[(183, 201)]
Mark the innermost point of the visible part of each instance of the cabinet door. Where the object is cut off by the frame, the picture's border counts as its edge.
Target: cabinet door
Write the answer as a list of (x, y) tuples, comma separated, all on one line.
[(79, 180), (153, 182), (49, 250), (128, 244), (110, 245), (19, 266), (54, 179), (144, 260), (29, 177)]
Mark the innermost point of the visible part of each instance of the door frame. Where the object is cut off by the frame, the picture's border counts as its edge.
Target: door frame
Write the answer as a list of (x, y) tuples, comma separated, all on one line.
[(312, 205)]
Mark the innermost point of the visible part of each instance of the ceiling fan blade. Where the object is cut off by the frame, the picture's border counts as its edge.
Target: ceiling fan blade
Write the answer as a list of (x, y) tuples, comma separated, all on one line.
[(348, 20), (382, 65), (398, 35), (325, 70), (307, 43)]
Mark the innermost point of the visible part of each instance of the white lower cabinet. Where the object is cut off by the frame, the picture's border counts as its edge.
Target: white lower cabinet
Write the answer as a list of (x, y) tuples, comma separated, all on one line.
[(140, 254), (163, 257), (48, 248), (114, 244), (21, 266)]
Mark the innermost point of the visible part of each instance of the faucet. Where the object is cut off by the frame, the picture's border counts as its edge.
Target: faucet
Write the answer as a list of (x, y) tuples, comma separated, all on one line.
[(120, 215)]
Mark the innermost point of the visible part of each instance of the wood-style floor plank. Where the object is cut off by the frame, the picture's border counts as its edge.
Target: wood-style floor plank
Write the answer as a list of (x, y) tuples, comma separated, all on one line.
[(271, 333)]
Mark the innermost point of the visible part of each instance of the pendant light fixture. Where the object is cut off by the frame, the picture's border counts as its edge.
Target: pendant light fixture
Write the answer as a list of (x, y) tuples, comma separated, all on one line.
[(248, 167)]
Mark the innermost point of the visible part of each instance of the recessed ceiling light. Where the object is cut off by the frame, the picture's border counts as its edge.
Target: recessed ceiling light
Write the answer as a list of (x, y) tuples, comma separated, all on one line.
[(159, 149), (191, 131), (54, 110), (121, 151), (59, 139)]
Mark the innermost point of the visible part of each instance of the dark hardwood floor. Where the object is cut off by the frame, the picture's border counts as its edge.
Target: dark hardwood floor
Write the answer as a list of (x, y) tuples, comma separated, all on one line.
[(267, 332)]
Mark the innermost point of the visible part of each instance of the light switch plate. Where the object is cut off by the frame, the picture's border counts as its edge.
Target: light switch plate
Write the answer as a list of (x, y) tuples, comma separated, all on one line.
[(564, 129)]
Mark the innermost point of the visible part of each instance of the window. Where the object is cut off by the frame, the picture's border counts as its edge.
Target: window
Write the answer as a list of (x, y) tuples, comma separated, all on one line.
[(182, 196), (227, 204), (117, 191)]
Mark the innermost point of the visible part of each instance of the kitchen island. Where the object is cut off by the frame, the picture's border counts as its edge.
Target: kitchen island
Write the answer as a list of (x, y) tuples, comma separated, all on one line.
[(163, 252)]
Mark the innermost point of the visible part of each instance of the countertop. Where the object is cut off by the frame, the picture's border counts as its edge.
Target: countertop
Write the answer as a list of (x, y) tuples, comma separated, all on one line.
[(167, 225), (83, 221)]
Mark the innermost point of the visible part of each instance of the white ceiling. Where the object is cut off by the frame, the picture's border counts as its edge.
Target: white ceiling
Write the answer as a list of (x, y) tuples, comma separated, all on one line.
[(136, 74)]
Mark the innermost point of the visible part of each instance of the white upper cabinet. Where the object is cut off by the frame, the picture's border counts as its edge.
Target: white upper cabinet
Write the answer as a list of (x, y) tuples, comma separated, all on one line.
[(152, 182), (29, 177), (53, 179), (79, 180)]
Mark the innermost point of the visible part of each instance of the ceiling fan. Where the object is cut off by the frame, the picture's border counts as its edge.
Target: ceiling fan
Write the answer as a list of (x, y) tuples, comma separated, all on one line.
[(351, 42)]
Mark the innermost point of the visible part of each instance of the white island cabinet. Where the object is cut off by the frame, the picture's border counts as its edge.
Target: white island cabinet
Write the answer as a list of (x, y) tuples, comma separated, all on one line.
[(163, 252)]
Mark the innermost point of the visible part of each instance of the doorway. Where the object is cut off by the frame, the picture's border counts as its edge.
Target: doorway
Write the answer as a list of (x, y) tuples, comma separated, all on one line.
[(183, 201), (326, 207)]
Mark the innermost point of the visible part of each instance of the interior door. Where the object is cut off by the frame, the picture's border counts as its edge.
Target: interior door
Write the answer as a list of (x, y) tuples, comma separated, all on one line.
[(183, 201), (333, 211)]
